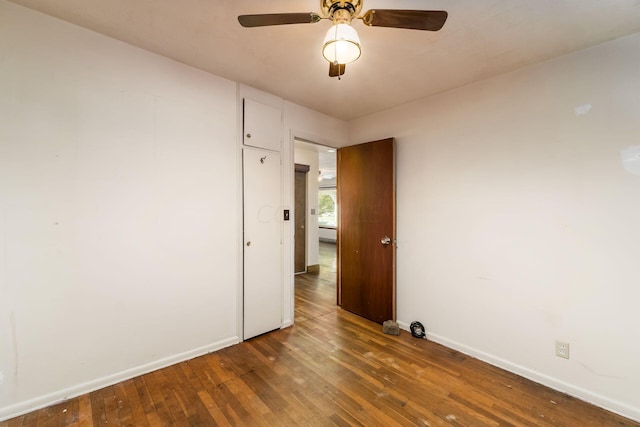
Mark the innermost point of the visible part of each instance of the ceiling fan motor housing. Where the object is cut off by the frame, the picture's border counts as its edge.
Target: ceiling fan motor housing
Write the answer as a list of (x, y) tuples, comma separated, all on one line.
[(341, 10)]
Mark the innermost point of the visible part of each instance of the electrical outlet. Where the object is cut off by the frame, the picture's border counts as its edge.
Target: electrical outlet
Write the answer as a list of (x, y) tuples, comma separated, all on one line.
[(562, 349)]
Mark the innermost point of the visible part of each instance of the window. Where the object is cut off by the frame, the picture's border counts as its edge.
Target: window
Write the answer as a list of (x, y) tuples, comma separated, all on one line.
[(327, 207)]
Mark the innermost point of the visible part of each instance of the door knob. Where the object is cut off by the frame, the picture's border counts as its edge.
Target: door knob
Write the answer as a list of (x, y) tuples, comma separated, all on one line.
[(248, 243), (385, 240)]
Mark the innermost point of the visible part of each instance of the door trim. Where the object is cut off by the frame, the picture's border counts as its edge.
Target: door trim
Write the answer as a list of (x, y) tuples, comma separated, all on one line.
[(303, 170)]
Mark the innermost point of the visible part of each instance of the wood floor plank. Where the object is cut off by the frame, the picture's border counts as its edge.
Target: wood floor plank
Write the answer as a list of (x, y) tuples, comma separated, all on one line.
[(158, 408), (144, 396), (72, 413), (52, 415), (85, 411), (136, 407), (111, 406), (331, 368), (123, 406), (214, 410), (225, 391), (165, 390), (187, 392), (98, 414), (14, 422)]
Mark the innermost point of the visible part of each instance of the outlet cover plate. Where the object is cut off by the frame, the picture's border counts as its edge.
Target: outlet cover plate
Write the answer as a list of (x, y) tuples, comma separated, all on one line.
[(562, 349)]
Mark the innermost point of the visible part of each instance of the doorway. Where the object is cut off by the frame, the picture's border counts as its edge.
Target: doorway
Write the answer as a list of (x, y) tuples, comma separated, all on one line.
[(315, 293), (315, 221)]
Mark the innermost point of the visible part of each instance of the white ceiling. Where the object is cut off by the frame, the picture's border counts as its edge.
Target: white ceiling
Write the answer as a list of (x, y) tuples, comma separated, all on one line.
[(481, 38), (327, 160)]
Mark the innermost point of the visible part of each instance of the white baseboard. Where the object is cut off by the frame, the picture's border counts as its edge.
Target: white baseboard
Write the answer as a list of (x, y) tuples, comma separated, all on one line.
[(554, 383), (89, 386)]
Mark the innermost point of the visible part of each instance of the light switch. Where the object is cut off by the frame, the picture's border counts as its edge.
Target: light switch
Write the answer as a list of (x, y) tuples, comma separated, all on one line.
[(313, 211)]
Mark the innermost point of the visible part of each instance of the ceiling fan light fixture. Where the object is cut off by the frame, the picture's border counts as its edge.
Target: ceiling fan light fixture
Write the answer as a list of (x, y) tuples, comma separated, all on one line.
[(341, 44)]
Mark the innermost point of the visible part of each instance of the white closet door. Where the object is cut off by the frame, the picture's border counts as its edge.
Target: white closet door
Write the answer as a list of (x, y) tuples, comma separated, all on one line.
[(262, 125), (262, 242)]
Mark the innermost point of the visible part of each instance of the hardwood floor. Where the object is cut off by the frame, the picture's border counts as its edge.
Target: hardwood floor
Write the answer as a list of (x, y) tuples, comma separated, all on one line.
[(330, 368), (316, 293)]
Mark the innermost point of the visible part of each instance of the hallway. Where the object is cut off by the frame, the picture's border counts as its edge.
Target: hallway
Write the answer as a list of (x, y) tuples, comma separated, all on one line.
[(315, 293)]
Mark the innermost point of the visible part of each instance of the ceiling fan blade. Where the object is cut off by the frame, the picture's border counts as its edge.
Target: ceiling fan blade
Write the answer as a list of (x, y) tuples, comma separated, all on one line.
[(336, 70), (264, 20), (429, 20)]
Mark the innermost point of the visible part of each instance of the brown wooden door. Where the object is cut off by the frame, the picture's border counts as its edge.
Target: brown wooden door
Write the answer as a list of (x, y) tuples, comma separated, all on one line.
[(366, 209), (300, 219)]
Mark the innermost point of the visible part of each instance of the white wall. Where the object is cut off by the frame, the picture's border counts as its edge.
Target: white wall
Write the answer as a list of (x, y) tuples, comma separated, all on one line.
[(118, 253), (120, 208), (328, 234), (518, 224), (310, 158), (117, 244)]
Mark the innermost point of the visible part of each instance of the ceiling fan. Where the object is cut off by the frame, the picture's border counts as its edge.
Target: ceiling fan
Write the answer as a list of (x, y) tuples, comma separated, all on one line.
[(341, 44)]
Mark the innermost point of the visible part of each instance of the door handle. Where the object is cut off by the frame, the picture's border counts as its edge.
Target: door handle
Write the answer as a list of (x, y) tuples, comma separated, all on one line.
[(386, 240)]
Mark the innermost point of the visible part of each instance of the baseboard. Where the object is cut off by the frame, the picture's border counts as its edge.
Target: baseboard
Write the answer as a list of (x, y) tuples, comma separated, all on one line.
[(554, 383), (315, 268), (327, 240), (21, 408)]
